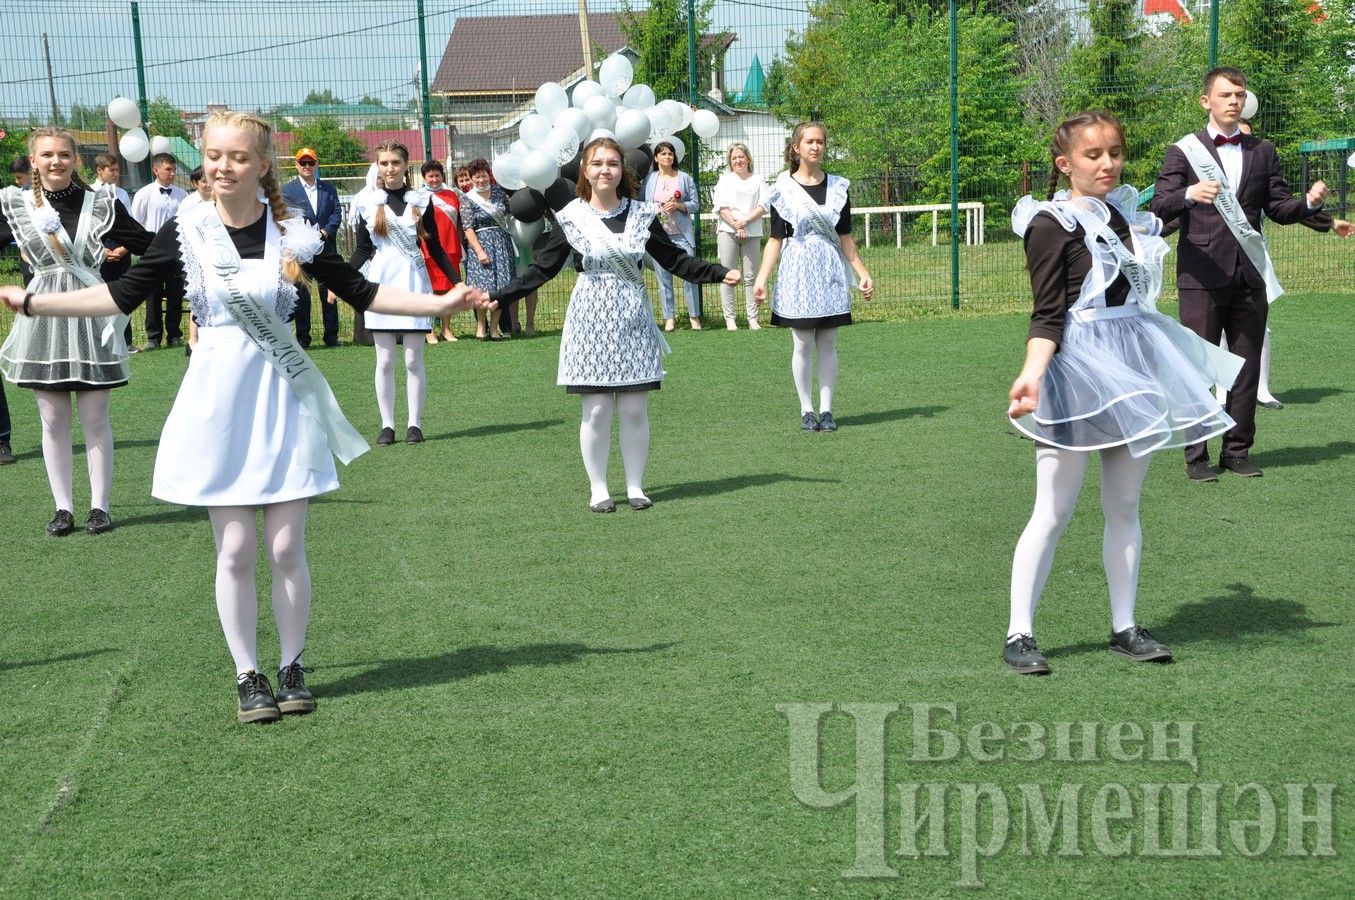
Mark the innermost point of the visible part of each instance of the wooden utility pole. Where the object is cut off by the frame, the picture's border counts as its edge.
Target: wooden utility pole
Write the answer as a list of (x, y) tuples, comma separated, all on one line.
[(51, 85), (587, 41)]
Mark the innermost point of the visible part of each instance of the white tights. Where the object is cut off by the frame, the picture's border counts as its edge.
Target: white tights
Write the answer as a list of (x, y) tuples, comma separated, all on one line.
[(1058, 481), (415, 380), (54, 407), (237, 599), (806, 341), (595, 440), (1263, 394)]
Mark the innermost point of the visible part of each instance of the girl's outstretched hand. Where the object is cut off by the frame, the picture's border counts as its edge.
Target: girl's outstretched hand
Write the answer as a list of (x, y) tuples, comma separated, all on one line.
[(1024, 396)]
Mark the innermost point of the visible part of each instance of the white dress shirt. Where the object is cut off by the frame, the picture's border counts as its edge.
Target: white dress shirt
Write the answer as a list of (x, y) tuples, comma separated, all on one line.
[(153, 208), (1230, 155)]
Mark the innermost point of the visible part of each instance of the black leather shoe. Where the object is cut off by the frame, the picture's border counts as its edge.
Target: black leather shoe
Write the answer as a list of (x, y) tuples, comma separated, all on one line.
[(62, 524), (1241, 465), (608, 505), (1137, 644), (175, 342), (292, 696), (1201, 471), (386, 437), (414, 435), (809, 422), (98, 522), (826, 421), (256, 699), (6, 454), (640, 502), (1022, 655), (1272, 403)]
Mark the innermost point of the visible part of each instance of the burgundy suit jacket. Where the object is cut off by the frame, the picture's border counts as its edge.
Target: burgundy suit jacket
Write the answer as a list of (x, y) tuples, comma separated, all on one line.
[(1208, 256)]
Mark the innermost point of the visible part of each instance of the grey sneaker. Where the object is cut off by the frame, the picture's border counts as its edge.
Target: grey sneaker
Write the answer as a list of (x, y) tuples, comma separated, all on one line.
[(1022, 655), (1137, 644)]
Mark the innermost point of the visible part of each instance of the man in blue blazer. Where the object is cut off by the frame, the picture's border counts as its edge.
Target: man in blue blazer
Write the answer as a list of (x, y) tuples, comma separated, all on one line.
[(318, 202)]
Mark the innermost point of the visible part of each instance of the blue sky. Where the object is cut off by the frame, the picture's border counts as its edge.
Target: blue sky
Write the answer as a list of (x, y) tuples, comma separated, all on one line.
[(261, 54)]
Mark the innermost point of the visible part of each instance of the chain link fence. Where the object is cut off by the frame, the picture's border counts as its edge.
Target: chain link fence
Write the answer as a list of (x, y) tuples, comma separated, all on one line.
[(453, 81)]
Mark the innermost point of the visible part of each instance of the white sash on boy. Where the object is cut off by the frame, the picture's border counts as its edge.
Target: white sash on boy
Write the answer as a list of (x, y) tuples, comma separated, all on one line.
[(812, 214), (613, 254), (490, 209), (275, 341), (1252, 241)]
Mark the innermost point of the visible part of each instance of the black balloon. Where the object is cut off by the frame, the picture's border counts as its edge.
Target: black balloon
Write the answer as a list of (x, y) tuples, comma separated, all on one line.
[(560, 193), (527, 205), (570, 170), (639, 161)]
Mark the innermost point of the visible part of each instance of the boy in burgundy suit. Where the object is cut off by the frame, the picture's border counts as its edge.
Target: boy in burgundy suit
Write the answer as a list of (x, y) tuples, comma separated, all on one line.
[(1218, 182)]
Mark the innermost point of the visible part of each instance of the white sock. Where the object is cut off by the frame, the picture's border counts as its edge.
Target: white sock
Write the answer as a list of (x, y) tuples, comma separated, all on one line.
[(1122, 542), (54, 407), (384, 341), (1263, 387), (416, 378), (595, 442), (1058, 481), (802, 366), (93, 409), (633, 412), (284, 536), (237, 600), (825, 339)]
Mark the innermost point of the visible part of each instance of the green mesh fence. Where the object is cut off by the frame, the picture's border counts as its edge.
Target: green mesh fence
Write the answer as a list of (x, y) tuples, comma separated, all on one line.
[(453, 81)]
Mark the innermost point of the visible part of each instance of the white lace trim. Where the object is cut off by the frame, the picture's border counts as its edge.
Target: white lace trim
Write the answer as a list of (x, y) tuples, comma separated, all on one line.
[(195, 287)]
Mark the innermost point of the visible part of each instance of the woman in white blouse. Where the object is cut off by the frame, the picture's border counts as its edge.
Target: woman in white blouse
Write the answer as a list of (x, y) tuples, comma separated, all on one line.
[(740, 199)]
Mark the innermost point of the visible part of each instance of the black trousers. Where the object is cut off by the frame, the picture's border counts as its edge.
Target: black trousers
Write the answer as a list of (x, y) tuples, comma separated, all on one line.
[(167, 325), (329, 316), (1239, 311)]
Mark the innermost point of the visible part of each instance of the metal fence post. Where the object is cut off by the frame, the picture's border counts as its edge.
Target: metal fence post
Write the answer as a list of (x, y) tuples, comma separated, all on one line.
[(954, 156), (426, 118), (143, 168), (1213, 33), (691, 99)]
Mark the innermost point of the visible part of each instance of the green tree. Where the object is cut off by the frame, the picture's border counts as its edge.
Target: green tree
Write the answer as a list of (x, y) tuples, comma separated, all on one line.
[(324, 97), (658, 35), (164, 118), (333, 145)]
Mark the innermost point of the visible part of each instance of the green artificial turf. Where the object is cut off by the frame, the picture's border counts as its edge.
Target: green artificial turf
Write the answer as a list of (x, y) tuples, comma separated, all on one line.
[(518, 697)]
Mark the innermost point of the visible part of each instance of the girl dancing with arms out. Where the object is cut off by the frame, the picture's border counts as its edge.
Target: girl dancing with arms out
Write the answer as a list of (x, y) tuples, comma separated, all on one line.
[(611, 351), (254, 424)]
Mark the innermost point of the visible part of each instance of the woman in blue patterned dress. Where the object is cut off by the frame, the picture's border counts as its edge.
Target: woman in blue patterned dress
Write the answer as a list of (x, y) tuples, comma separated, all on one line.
[(812, 226), (485, 226)]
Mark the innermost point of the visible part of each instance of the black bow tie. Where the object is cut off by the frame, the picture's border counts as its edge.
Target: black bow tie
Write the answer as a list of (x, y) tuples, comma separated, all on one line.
[(1220, 140), (167, 191)]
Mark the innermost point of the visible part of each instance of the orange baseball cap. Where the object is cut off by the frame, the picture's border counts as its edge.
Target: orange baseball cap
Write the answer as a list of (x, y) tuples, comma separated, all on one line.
[(307, 153)]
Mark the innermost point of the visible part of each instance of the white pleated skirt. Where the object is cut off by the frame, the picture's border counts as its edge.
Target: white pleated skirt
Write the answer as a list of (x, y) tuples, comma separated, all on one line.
[(234, 433), (389, 267)]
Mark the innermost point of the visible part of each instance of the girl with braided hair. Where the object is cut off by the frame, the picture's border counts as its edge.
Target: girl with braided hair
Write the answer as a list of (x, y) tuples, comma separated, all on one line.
[(254, 424), (391, 219), (60, 223)]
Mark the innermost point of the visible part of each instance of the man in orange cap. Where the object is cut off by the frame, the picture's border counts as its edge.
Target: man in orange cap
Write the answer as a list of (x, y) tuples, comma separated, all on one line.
[(318, 202)]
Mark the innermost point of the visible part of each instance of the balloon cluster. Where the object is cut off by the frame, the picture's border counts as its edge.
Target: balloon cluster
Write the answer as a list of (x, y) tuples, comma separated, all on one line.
[(134, 145), (542, 165)]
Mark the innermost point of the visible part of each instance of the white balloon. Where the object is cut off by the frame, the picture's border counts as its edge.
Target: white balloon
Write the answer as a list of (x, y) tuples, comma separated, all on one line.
[(534, 130), (683, 112), (551, 100), (1249, 108), (563, 143), (577, 121), (524, 234), (601, 111), (660, 125), (134, 146), (1350, 161), (705, 123), (507, 171), (632, 128), (539, 170), (160, 144), (615, 74), (678, 150), (519, 148), (124, 113), (640, 96), (585, 91), (602, 133)]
